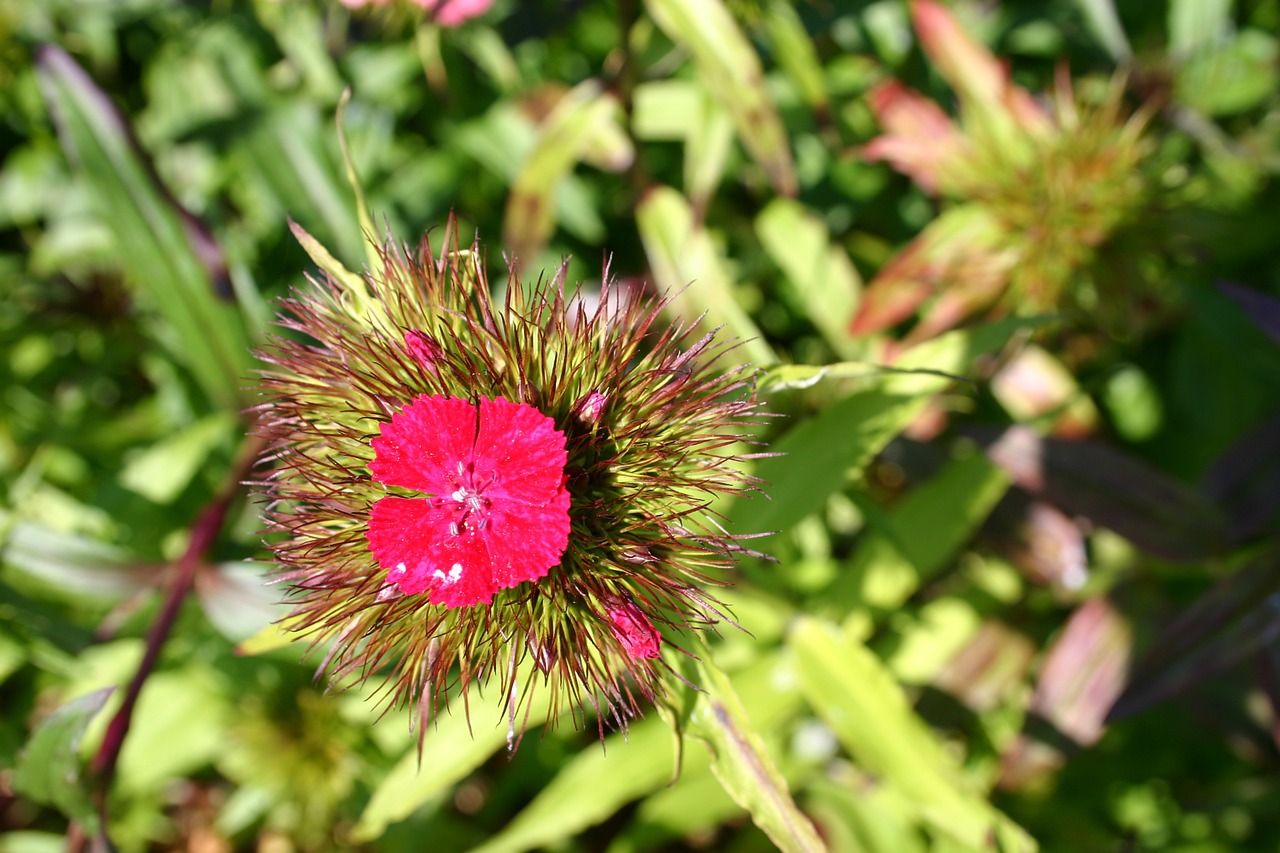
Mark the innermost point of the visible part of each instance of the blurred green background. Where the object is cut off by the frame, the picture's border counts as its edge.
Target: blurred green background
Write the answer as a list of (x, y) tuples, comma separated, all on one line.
[(1009, 270)]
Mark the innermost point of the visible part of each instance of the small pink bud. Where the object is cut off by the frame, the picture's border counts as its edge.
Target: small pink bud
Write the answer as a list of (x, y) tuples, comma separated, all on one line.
[(424, 350), (634, 630), (590, 409)]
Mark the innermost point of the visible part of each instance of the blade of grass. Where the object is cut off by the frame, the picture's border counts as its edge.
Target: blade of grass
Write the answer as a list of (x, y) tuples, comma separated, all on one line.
[(204, 332)]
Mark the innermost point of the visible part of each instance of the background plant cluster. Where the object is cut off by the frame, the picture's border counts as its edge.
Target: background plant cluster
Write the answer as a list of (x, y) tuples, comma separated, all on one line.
[(1024, 584)]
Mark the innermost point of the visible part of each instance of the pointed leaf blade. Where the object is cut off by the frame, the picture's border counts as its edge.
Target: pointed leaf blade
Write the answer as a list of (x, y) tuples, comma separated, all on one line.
[(48, 769)]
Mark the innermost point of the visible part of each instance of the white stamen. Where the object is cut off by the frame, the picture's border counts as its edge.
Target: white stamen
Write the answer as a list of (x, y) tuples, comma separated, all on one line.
[(455, 573)]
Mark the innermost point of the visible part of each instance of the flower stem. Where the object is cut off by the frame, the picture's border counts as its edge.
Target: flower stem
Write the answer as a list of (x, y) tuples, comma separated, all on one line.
[(204, 533)]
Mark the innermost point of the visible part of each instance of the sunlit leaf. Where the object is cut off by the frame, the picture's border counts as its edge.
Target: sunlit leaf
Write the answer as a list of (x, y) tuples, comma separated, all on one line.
[(742, 764), (688, 266), (895, 558), (731, 71), (824, 277), (850, 689), (564, 135), (453, 748), (160, 472), (819, 455), (598, 781)]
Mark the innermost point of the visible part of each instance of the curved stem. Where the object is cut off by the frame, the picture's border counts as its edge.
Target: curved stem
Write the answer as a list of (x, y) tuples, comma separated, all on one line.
[(204, 533)]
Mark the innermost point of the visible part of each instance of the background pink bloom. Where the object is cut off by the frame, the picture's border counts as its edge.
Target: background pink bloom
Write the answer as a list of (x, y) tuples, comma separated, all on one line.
[(447, 13), (451, 13), (498, 513)]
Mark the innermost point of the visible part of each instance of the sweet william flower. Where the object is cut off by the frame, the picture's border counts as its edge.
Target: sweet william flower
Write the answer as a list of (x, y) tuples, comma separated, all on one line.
[(500, 512), (461, 489)]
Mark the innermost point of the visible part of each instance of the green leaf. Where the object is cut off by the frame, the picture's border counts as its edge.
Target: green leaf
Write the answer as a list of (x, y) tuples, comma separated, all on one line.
[(895, 559), (687, 266), (580, 116), (179, 727), (741, 763), (1195, 23), (852, 691), (729, 68), (75, 567), (1102, 18), (322, 258), (162, 471), (367, 229), (824, 277), (862, 814), (796, 377), (501, 141), (288, 149), (238, 599), (818, 456), (204, 332), (596, 783), (796, 53), (48, 768), (451, 750), (1232, 77), (706, 151), (591, 787)]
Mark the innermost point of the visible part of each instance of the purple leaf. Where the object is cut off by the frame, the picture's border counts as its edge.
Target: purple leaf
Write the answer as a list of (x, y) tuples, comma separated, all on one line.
[(1240, 615), (1263, 310), (1245, 481), (1113, 489)]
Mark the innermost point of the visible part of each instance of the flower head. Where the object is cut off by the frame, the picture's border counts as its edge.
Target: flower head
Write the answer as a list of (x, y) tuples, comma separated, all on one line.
[(459, 485)]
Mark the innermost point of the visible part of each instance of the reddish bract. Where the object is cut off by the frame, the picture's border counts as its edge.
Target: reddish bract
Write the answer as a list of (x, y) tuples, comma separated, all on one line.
[(497, 514)]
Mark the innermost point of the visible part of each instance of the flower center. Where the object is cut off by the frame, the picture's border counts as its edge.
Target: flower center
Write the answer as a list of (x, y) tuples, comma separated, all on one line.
[(471, 504)]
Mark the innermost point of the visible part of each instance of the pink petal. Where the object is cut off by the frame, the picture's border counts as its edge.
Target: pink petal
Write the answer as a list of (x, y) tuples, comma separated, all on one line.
[(424, 442), (524, 448), (921, 142), (979, 78), (451, 13), (413, 541)]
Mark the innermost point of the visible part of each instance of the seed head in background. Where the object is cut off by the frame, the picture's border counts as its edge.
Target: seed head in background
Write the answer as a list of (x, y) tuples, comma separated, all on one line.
[(458, 485), (1050, 204)]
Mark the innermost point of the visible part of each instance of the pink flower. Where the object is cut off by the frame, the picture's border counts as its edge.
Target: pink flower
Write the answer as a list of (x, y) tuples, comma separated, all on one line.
[(634, 630), (498, 511), (446, 13), (451, 13)]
